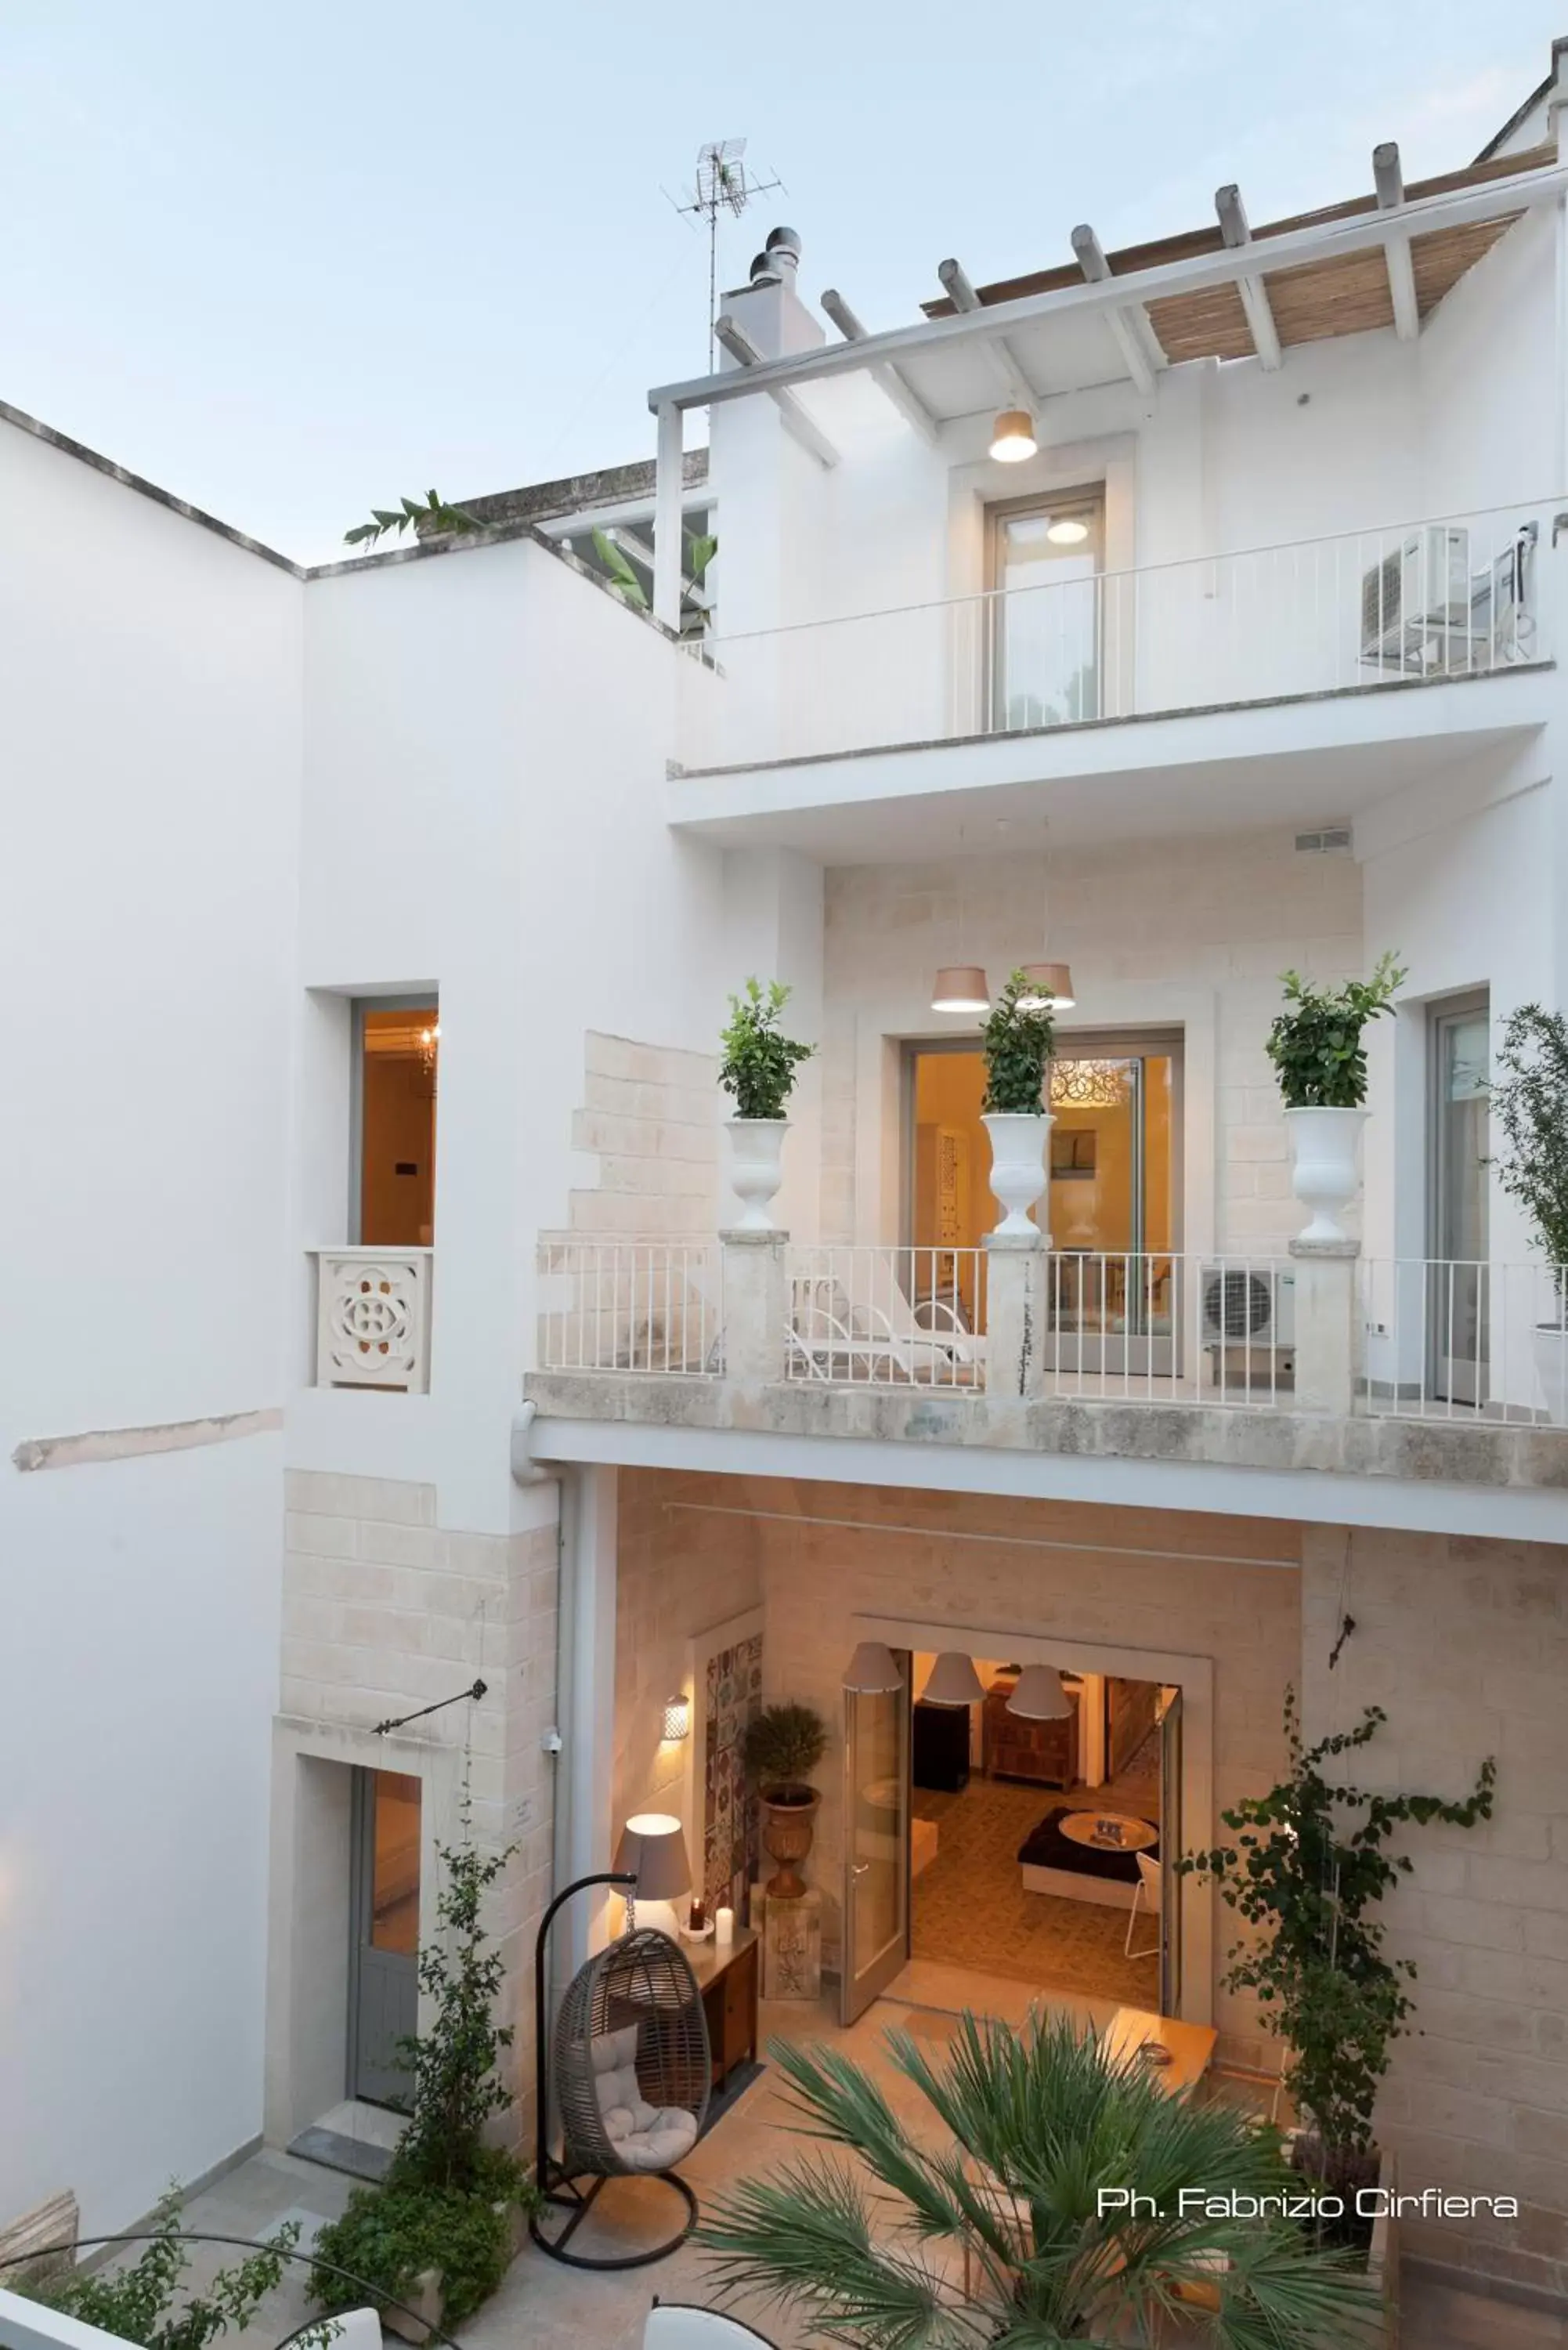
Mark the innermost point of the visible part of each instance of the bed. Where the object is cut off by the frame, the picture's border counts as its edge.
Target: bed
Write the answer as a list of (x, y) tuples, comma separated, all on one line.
[(1053, 1863)]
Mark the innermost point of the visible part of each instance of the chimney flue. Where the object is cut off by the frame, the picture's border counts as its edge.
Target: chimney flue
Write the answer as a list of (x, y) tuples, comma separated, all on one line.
[(783, 251)]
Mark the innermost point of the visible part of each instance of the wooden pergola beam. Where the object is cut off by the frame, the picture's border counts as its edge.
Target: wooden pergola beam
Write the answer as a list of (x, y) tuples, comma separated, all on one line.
[(888, 379), (734, 338), (1131, 325), (1001, 356), (1250, 285), (1389, 182)]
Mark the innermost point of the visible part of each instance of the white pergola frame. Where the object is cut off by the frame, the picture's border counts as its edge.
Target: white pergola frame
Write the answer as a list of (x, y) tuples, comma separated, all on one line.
[(1392, 227)]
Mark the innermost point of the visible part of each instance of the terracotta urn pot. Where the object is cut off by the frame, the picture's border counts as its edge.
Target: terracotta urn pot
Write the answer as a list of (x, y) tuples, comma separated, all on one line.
[(789, 1822)]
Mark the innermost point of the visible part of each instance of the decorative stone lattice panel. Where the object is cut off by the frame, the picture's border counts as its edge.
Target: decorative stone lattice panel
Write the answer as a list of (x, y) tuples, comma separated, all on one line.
[(372, 1326)]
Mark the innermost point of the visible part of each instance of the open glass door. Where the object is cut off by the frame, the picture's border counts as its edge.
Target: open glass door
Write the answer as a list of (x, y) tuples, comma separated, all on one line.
[(1458, 1309), (1170, 1847), (876, 1843)]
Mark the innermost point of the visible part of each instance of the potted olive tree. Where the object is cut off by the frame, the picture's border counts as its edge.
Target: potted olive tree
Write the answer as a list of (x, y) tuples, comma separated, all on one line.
[(1319, 1061), (1530, 1098), (1018, 1038), (783, 1745), (758, 1068)]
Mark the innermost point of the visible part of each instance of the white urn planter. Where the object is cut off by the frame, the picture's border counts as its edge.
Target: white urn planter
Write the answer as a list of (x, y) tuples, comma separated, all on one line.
[(1549, 1344), (1018, 1144), (756, 1168), (1324, 1168)]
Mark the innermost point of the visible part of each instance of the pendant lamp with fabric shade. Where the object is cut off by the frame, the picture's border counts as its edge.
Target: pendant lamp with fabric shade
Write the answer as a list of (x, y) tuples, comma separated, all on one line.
[(953, 1680), (1040, 1696)]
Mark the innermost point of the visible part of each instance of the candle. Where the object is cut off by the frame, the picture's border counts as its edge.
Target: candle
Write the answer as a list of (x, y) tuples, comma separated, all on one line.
[(724, 1925)]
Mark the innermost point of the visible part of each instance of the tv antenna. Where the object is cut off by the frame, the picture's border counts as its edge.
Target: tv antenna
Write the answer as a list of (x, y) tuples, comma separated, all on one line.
[(723, 184)]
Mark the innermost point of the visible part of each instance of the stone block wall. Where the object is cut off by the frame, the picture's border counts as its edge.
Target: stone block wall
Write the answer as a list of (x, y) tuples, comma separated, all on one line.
[(1226, 912), (680, 1570), (1464, 1644), (385, 1611), (650, 1115)]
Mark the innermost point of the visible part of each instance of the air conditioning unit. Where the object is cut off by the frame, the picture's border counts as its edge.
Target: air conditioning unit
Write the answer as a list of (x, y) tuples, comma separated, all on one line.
[(1248, 1308), (1419, 589)]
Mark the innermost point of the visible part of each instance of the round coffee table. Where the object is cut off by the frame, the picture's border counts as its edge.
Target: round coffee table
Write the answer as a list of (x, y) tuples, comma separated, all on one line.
[(1136, 1835)]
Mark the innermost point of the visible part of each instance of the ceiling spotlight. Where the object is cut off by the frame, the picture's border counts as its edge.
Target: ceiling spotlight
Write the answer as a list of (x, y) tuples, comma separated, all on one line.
[(1065, 533), (1012, 438)]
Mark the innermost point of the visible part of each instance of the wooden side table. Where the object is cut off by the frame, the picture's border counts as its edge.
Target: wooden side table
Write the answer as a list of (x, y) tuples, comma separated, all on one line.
[(727, 1978)]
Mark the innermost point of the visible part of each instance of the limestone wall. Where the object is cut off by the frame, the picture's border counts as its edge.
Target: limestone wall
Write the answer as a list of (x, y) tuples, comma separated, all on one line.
[(681, 1572), (1223, 915), (385, 1611), (649, 1118), (1465, 1645), (680, 1569)]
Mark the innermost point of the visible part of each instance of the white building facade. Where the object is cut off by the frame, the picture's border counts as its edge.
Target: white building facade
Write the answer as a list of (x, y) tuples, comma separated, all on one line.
[(374, 1337)]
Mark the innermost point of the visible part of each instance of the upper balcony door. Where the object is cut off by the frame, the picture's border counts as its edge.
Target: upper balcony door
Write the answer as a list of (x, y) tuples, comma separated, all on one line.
[(1113, 1209), (1457, 1151), (1044, 634)]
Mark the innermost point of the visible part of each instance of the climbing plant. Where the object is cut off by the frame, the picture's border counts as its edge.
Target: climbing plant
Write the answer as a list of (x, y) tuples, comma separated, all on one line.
[(1306, 1872)]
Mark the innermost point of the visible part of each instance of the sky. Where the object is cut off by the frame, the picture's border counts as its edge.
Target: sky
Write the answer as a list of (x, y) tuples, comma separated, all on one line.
[(293, 261)]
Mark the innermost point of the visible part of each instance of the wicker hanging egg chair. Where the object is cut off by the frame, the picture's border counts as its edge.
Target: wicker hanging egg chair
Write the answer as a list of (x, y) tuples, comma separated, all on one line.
[(631, 2073)]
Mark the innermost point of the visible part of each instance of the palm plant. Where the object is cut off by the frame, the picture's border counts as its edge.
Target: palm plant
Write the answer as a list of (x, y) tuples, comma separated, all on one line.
[(1081, 2197)]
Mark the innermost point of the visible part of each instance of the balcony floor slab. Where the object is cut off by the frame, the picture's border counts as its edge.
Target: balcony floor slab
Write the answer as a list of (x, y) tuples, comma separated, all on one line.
[(1302, 760), (1500, 1480)]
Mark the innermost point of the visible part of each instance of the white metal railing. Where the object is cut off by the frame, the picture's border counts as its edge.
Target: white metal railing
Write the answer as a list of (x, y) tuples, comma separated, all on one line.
[(1459, 597), (631, 1306), (373, 1318), (1140, 1327), (1447, 1339)]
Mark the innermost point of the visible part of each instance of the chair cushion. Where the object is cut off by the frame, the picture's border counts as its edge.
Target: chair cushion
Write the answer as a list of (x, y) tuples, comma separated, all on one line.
[(621, 2103), (661, 2142), (645, 2136)]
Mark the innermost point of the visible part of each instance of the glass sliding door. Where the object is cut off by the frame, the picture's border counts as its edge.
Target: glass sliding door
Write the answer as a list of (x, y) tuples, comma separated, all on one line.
[(1456, 1305), (1114, 1207), (876, 1843), (1043, 648)]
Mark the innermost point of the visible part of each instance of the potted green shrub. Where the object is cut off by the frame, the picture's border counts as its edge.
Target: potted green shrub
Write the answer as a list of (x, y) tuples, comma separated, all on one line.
[(1318, 1056), (1019, 1037), (438, 2234), (784, 1744), (1082, 2204), (1530, 1100), (758, 1069), (1305, 1874)]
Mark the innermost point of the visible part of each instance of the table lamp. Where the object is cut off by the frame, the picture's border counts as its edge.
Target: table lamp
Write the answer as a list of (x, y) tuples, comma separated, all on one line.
[(652, 1849)]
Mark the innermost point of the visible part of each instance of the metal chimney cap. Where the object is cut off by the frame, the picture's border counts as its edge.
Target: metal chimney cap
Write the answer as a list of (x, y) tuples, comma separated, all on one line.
[(762, 272), (785, 244)]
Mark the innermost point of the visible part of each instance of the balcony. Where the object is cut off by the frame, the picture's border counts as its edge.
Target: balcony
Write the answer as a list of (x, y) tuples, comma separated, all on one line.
[(1343, 664), (1319, 1362)]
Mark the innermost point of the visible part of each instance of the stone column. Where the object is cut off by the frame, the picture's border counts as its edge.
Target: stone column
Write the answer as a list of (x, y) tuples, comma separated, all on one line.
[(1328, 1352), (1015, 1270), (756, 1306)]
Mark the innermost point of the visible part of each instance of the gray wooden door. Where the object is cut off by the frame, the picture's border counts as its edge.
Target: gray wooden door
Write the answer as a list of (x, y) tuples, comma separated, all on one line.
[(383, 1972)]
